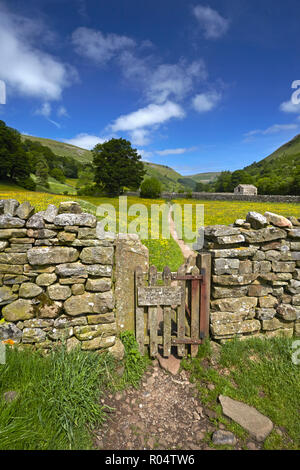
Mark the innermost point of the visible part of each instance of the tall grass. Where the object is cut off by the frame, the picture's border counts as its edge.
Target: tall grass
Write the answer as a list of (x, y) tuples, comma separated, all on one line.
[(59, 395), (261, 373)]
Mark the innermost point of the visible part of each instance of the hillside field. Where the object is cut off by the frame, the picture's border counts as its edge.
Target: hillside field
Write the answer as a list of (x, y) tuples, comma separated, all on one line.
[(166, 175), (162, 251)]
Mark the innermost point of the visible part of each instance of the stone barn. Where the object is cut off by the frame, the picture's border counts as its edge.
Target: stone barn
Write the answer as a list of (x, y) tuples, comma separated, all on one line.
[(246, 189)]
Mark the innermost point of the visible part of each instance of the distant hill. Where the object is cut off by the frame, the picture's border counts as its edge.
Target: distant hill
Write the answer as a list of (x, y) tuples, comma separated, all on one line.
[(290, 148), (282, 162), (278, 173), (166, 175), (204, 177), (63, 149)]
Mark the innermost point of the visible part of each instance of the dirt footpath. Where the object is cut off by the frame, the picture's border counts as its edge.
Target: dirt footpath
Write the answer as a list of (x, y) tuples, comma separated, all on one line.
[(164, 413)]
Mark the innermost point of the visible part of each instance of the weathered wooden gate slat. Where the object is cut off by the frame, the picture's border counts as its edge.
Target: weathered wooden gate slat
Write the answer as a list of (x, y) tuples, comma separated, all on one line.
[(195, 309), (166, 277), (178, 294), (167, 331), (153, 320), (181, 313)]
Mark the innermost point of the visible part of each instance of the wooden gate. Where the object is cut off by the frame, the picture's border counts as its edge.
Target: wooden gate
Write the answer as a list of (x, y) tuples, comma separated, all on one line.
[(172, 309)]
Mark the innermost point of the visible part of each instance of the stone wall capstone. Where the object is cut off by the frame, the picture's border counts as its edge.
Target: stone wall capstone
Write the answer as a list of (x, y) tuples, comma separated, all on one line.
[(255, 277)]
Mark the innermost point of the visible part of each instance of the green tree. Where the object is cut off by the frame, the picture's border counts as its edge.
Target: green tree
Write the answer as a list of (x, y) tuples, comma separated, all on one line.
[(151, 188), (42, 173), (85, 176), (58, 174), (240, 177), (200, 187), (117, 165), (14, 162), (295, 185), (223, 183)]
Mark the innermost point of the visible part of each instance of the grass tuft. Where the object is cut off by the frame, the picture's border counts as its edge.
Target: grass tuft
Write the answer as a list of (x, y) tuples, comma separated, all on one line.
[(58, 402), (257, 372)]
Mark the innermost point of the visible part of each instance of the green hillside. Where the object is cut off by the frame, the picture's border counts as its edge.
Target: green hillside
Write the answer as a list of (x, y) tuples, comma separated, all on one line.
[(204, 177), (278, 173), (290, 148), (63, 149), (166, 175)]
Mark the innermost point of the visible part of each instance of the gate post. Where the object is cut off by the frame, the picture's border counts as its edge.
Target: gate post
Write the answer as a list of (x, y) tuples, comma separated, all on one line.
[(129, 254), (203, 262)]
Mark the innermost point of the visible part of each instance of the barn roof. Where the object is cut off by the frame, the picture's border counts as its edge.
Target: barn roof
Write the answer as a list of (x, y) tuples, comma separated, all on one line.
[(246, 186)]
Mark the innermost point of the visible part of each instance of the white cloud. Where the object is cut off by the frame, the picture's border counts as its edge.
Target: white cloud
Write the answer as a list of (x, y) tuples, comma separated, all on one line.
[(82, 9), (55, 123), (98, 47), (140, 137), (145, 154), (213, 24), (62, 112), (174, 80), (151, 115), (44, 110), (158, 81), (140, 123), (161, 82), (85, 141), (290, 107), (163, 85), (24, 68), (275, 129), (205, 102), (178, 151)]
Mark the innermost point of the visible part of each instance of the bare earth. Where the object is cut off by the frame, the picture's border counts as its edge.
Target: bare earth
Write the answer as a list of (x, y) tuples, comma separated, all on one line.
[(185, 249), (164, 413)]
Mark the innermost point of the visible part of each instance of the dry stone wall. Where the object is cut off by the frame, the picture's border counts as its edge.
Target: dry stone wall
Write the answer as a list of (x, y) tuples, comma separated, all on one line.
[(61, 280), (226, 197), (57, 278), (255, 277)]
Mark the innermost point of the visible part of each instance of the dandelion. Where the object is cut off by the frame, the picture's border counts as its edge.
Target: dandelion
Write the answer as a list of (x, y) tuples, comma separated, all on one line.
[(10, 342)]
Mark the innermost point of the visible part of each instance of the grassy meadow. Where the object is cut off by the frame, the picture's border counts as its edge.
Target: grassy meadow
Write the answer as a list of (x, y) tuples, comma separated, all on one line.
[(162, 251), (226, 212)]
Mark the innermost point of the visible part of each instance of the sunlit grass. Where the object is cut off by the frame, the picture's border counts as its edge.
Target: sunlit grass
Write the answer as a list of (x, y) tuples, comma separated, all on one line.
[(162, 252), (260, 373), (57, 404), (227, 212), (168, 252)]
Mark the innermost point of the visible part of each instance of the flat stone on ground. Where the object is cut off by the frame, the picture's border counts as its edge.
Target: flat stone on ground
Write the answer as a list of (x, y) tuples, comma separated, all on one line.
[(10, 396), (224, 438), (248, 417), (170, 364)]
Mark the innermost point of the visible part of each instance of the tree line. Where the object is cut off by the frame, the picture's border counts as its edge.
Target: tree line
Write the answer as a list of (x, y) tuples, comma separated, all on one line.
[(276, 176), (29, 164), (116, 166)]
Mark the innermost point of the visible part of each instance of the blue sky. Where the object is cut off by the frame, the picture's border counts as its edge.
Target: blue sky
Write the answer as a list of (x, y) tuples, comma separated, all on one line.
[(198, 86)]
